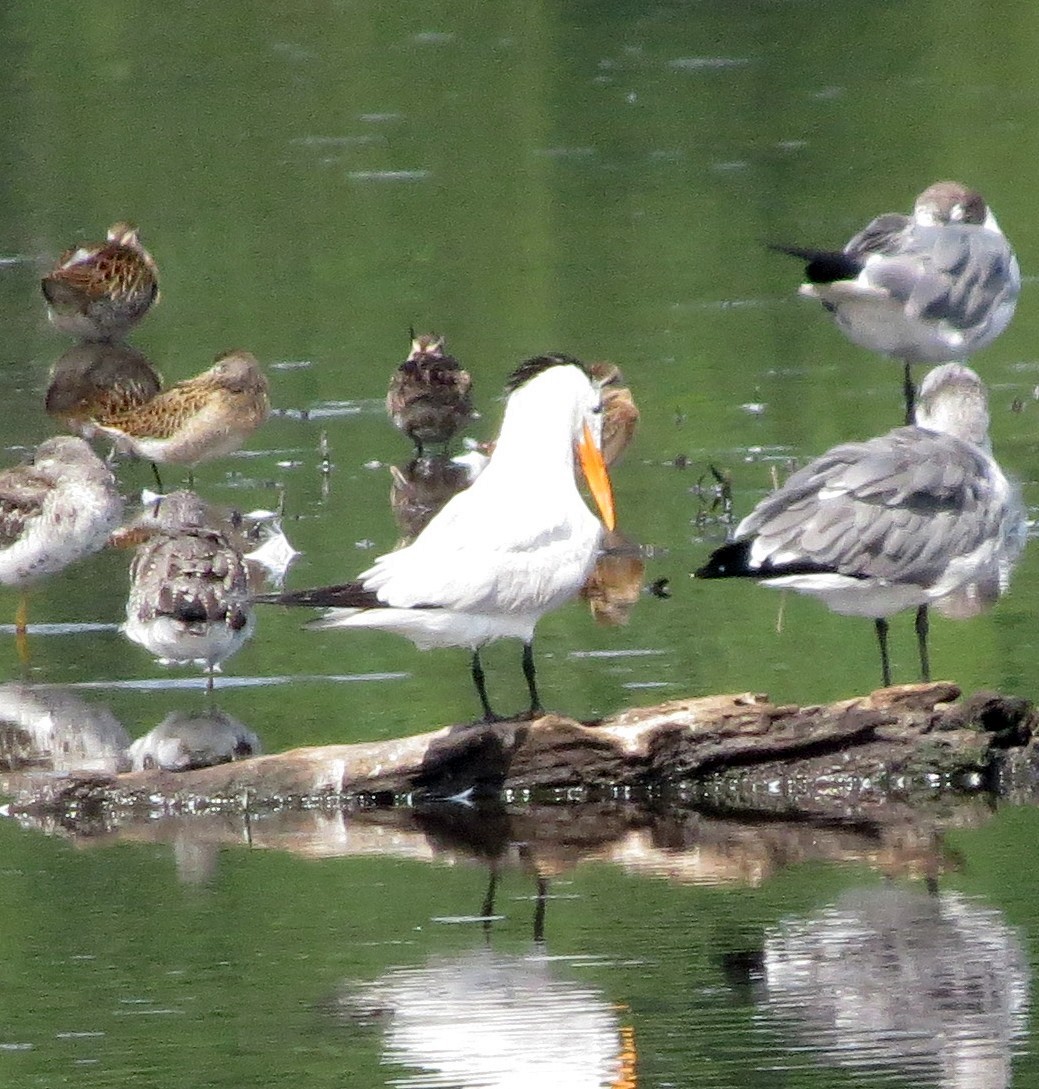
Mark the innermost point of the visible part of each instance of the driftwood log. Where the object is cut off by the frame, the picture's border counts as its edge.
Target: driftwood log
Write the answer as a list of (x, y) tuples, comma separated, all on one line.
[(735, 753)]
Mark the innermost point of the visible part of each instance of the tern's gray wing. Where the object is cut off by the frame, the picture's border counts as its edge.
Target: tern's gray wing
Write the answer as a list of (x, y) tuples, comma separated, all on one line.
[(897, 507), (957, 274)]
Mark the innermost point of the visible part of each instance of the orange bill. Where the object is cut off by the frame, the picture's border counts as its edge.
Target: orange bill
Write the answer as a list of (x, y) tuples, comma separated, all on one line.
[(594, 469)]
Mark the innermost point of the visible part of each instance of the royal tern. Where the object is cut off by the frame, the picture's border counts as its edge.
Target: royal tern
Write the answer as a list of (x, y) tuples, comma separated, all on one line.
[(872, 528), (189, 589), (429, 398), (927, 288), (98, 291), (53, 512), (197, 420), (517, 543)]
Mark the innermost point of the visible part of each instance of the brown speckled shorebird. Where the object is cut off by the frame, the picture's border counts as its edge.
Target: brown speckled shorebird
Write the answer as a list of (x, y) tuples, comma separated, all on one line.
[(428, 398), (99, 290), (53, 512), (98, 379), (620, 413), (189, 588), (198, 420)]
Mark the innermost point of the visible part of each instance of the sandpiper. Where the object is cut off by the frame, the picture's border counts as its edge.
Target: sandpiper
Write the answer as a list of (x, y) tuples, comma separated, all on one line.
[(429, 394), (197, 420), (98, 379), (54, 511), (98, 291), (933, 287), (189, 589), (620, 413)]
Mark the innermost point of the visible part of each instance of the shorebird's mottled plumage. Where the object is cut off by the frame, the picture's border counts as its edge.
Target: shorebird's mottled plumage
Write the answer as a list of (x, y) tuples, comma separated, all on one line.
[(100, 290), (98, 379), (197, 420), (429, 395), (189, 588)]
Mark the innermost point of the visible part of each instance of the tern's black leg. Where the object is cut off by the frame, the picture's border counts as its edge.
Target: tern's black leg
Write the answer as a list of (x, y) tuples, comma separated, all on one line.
[(909, 390), (922, 628), (158, 479), (481, 689), (532, 685), (487, 910), (885, 665)]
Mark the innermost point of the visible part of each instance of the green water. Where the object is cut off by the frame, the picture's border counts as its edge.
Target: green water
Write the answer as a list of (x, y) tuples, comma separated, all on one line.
[(594, 178)]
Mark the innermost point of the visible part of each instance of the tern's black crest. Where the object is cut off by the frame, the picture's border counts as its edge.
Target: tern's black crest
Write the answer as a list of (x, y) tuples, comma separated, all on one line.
[(732, 561), (531, 368)]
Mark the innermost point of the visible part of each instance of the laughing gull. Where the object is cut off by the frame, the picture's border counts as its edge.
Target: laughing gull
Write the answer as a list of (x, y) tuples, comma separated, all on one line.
[(927, 288), (895, 522)]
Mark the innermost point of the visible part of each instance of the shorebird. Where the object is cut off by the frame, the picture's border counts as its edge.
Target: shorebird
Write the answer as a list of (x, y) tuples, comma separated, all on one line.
[(98, 291), (428, 398), (197, 420), (932, 287), (189, 589), (516, 544), (620, 413), (57, 510), (98, 379), (895, 522)]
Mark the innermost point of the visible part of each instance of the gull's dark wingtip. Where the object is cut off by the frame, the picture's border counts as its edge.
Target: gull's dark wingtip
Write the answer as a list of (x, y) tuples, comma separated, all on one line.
[(728, 561), (822, 266)]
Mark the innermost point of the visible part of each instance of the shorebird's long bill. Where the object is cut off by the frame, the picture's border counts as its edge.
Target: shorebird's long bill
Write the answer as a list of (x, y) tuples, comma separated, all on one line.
[(594, 469)]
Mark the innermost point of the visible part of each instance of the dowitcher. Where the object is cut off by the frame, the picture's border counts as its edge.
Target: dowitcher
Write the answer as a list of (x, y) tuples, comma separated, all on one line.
[(429, 395), (98, 291), (197, 420)]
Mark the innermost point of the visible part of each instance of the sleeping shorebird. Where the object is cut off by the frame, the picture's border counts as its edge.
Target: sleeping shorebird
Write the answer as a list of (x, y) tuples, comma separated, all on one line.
[(53, 512), (896, 522), (100, 290), (98, 379), (197, 420), (516, 544), (932, 287), (189, 589), (428, 398)]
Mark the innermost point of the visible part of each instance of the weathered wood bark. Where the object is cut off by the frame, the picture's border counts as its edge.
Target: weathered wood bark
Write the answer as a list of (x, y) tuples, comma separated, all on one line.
[(736, 753)]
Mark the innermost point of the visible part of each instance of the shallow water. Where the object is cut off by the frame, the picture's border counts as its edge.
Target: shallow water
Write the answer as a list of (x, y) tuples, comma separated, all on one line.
[(597, 179)]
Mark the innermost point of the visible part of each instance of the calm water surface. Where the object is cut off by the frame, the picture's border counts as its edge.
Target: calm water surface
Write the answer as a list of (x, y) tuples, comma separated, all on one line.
[(594, 178)]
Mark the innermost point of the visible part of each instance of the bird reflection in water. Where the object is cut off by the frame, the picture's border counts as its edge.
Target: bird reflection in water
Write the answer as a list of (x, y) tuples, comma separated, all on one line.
[(186, 740), (189, 589), (98, 379), (930, 987), (490, 1019), (52, 729), (421, 488)]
